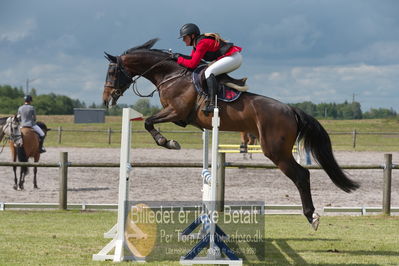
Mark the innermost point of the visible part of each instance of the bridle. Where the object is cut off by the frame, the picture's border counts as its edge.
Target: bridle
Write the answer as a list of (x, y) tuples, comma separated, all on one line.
[(13, 131), (120, 69)]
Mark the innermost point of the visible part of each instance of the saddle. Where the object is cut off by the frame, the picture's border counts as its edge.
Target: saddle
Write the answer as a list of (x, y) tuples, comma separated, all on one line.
[(229, 90)]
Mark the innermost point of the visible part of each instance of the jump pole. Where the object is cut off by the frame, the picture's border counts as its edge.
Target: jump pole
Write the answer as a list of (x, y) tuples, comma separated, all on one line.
[(214, 238), (117, 233)]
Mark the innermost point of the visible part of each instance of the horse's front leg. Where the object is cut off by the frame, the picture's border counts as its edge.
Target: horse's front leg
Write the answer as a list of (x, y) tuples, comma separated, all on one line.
[(14, 168), (36, 159), (24, 170), (34, 177), (166, 115)]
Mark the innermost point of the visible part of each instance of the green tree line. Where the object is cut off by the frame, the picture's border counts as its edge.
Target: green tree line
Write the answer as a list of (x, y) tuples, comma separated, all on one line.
[(142, 105), (344, 110), (45, 104), (52, 104)]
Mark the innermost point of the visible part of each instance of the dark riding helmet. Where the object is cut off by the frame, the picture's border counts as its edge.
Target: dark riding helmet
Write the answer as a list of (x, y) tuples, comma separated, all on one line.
[(28, 98), (188, 29)]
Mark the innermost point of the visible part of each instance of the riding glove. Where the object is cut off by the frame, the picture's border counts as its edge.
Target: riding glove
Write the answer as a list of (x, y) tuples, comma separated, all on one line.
[(175, 56)]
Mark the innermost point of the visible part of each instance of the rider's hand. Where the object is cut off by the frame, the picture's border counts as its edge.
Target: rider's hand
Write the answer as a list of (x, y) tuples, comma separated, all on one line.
[(175, 56)]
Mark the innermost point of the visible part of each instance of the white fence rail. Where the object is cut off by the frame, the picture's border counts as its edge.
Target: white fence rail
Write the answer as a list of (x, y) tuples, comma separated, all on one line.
[(63, 166)]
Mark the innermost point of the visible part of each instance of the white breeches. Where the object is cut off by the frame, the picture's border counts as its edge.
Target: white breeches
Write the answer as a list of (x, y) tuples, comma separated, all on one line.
[(224, 65), (38, 130)]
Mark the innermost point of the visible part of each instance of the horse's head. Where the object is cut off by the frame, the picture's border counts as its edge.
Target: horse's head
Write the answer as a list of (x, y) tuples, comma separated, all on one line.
[(11, 127), (117, 80), (122, 69)]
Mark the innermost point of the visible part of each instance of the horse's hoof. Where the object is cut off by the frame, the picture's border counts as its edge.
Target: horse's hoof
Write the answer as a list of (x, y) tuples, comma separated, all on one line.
[(172, 144), (162, 141), (36, 187), (315, 221), (15, 187)]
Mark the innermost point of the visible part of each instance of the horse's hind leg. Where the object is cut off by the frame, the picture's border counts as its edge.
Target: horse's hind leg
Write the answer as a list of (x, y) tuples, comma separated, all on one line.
[(14, 168), (243, 145), (251, 141), (300, 177)]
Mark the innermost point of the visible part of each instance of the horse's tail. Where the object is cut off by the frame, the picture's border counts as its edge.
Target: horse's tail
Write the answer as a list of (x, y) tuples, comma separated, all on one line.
[(22, 158), (316, 139)]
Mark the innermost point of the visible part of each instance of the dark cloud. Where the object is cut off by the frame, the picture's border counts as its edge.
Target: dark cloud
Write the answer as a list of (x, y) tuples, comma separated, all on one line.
[(51, 38)]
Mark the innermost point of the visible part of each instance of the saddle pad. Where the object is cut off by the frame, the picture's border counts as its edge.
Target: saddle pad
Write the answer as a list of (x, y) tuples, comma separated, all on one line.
[(225, 93)]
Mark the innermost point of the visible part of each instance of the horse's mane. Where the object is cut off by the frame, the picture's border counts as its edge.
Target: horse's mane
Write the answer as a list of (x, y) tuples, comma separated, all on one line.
[(160, 54), (146, 46), (3, 120)]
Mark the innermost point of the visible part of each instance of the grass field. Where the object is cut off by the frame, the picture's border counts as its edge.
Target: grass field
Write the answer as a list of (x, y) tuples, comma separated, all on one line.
[(143, 139), (71, 237)]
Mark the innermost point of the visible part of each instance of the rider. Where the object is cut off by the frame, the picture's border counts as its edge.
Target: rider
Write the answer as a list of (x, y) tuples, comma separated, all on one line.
[(27, 116), (209, 47)]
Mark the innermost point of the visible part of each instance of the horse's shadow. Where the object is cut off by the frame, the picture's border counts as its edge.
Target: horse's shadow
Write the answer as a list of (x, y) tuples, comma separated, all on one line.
[(88, 189), (279, 252)]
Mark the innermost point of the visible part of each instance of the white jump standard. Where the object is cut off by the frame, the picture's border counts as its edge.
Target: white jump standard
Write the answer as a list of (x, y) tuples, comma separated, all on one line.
[(211, 234), (118, 231)]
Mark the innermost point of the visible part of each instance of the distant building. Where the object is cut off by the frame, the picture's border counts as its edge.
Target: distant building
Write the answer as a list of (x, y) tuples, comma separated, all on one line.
[(89, 115)]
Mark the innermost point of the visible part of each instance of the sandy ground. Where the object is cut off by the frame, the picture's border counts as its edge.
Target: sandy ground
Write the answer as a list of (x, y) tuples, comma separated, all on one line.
[(100, 185)]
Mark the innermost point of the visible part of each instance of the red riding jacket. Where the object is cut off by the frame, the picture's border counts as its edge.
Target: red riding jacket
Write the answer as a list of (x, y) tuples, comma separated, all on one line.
[(209, 50)]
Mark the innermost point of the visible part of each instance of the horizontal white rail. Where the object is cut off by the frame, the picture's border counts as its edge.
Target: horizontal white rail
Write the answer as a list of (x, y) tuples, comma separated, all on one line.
[(88, 206), (362, 210)]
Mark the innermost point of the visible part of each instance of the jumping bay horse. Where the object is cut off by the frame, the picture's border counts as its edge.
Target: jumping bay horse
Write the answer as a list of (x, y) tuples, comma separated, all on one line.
[(276, 125), (28, 149)]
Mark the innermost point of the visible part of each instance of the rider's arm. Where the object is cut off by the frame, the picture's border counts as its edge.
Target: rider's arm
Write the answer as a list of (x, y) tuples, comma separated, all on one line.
[(34, 114), (196, 55)]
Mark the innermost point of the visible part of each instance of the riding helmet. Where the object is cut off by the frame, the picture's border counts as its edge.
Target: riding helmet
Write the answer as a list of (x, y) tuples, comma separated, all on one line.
[(28, 98), (188, 29)]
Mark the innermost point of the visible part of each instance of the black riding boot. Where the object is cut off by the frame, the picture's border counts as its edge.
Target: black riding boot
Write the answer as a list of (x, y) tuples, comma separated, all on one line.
[(212, 90), (41, 148)]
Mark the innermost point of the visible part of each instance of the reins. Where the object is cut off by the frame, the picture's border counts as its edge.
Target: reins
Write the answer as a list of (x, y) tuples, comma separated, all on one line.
[(134, 79), (181, 74)]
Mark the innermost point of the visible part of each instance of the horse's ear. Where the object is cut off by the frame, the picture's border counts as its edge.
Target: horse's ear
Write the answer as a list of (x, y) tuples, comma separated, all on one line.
[(110, 58), (146, 45), (150, 43)]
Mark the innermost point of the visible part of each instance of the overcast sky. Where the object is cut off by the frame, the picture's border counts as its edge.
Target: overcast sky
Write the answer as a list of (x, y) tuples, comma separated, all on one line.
[(294, 50)]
